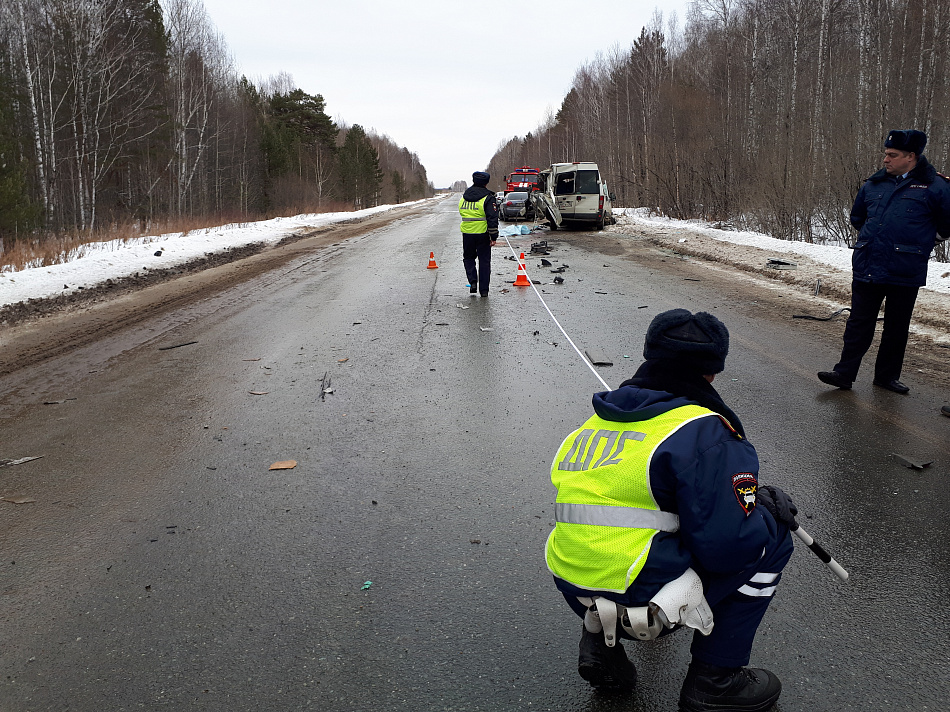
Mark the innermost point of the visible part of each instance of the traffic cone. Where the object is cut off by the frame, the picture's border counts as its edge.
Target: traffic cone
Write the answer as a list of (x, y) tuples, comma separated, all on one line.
[(432, 264), (522, 280)]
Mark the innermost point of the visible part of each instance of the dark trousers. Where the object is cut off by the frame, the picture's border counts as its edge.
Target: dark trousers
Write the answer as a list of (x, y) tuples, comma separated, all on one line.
[(738, 602), (478, 246), (866, 300)]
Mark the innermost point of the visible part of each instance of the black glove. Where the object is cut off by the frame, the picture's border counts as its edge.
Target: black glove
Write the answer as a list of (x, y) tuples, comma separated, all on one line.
[(779, 504)]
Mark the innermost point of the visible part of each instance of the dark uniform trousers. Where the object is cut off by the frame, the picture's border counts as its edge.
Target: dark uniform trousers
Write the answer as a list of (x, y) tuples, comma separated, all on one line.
[(477, 245), (866, 300), (738, 603)]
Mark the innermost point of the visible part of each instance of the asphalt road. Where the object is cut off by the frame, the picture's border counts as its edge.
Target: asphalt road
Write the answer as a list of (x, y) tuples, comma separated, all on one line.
[(399, 565)]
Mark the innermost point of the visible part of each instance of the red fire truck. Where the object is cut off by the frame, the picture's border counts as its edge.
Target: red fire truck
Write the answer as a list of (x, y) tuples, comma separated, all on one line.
[(523, 179)]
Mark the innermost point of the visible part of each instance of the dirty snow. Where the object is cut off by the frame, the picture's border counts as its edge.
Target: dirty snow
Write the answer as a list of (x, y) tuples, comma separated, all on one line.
[(833, 256), (99, 262)]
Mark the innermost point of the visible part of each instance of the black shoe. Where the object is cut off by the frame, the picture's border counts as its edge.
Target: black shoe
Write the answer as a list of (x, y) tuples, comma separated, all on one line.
[(833, 378), (710, 687), (894, 385), (485, 293), (606, 669), (472, 289), (945, 410)]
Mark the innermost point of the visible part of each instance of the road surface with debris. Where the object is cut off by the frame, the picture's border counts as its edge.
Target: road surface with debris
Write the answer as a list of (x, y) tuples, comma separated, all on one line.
[(398, 564)]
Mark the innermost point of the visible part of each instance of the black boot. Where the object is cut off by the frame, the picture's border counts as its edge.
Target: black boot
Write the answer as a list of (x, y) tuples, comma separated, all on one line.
[(710, 687), (606, 669)]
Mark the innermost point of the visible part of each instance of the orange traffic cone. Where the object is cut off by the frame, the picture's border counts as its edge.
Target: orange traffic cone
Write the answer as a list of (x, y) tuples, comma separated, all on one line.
[(522, 280), (432, 264)]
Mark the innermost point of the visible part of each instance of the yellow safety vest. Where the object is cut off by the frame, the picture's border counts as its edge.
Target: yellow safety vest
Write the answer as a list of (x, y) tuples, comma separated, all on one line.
[(606, 516), (473, 216)]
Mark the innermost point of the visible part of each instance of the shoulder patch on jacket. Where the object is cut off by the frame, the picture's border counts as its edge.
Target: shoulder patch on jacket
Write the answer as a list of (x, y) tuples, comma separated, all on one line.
[(745, 486), (946, 178), (729, 427)]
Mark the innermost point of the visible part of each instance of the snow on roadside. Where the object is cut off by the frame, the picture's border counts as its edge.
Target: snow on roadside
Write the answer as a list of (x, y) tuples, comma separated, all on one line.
[(831, 255), (100, 261)]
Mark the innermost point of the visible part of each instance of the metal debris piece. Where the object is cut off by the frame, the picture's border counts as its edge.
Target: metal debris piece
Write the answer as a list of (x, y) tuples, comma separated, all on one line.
[(817, 286), (597, 357), (250, 359), (19, 461), (442, 323), (821, 318), (545, 263), (597, 292), (176, 346), (485, 328), (781, 264), (559, 269), (18, 499), (58, 402), (325, 386), (258, 393), (559, 280), (911, 463)]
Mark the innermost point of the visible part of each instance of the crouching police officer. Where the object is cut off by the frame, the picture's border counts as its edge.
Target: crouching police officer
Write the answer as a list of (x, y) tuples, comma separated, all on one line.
[(479, 231), (661, 523)]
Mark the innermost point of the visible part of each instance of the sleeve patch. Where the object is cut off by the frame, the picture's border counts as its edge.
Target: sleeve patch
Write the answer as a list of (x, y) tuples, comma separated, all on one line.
[(744, 485)]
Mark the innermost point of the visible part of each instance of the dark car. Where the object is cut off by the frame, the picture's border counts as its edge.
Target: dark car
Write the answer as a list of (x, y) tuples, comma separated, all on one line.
[(516, 206)]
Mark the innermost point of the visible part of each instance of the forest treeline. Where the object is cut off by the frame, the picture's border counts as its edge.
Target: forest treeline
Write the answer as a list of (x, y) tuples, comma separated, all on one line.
[(131, 111), (766, 114)]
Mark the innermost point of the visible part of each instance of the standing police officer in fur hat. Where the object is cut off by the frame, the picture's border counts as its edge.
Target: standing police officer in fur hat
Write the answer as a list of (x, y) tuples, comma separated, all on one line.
[(661, 523), (479, 231), (901, 212)]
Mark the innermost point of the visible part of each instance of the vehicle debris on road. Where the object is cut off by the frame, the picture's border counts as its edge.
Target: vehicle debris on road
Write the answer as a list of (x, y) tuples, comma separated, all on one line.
[(17, 499), (911, 463), (19, 461), (283, 465)]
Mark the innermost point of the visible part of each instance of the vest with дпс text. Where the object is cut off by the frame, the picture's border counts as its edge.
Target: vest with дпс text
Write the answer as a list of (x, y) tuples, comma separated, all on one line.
[(473, 216), (606, 515)]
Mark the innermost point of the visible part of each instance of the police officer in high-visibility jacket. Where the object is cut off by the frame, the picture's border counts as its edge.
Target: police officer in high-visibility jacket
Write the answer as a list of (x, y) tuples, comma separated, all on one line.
[(479, 231), (661, 523)]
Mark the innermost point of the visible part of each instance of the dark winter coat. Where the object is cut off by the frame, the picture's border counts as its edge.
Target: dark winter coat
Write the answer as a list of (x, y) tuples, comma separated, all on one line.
[(476, 193), (899, 223), (692, 474)]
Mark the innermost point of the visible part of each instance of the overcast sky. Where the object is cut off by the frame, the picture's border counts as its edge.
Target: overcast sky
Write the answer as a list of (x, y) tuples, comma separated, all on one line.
[(448, 80)]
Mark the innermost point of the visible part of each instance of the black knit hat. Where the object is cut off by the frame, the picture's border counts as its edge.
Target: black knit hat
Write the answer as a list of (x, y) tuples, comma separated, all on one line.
[(480, 178), (910, 140), (697, 342)]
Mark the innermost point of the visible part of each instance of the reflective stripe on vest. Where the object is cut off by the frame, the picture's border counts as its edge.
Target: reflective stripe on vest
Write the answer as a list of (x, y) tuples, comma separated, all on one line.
[(603, 516), (606, 515), (473, 216)]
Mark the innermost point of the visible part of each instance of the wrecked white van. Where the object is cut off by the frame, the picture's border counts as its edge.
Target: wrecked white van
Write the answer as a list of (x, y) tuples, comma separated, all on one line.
[(573, 194)]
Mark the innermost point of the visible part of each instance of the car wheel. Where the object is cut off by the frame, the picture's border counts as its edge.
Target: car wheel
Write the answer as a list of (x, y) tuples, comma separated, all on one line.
[(551, 221), (600, 222)]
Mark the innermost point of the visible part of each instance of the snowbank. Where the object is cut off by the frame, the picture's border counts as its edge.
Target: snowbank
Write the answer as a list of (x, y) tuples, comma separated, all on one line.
[(833, 256), (100, 261)]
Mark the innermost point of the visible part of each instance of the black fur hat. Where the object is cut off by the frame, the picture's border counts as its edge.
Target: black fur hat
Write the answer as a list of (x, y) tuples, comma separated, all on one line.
[(698, 342), (480, 178), (907, 140)]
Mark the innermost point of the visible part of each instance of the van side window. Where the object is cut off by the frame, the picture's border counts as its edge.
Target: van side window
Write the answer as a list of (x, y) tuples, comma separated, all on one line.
[(587, 182), (565, 184)]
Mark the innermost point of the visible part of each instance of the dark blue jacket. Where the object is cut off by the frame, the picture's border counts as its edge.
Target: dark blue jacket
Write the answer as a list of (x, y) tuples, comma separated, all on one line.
[(692, 473), (477, 192), (899, 223)]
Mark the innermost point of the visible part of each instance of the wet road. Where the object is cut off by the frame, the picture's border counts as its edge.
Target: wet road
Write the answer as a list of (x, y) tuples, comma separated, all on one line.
[(164, 566)]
